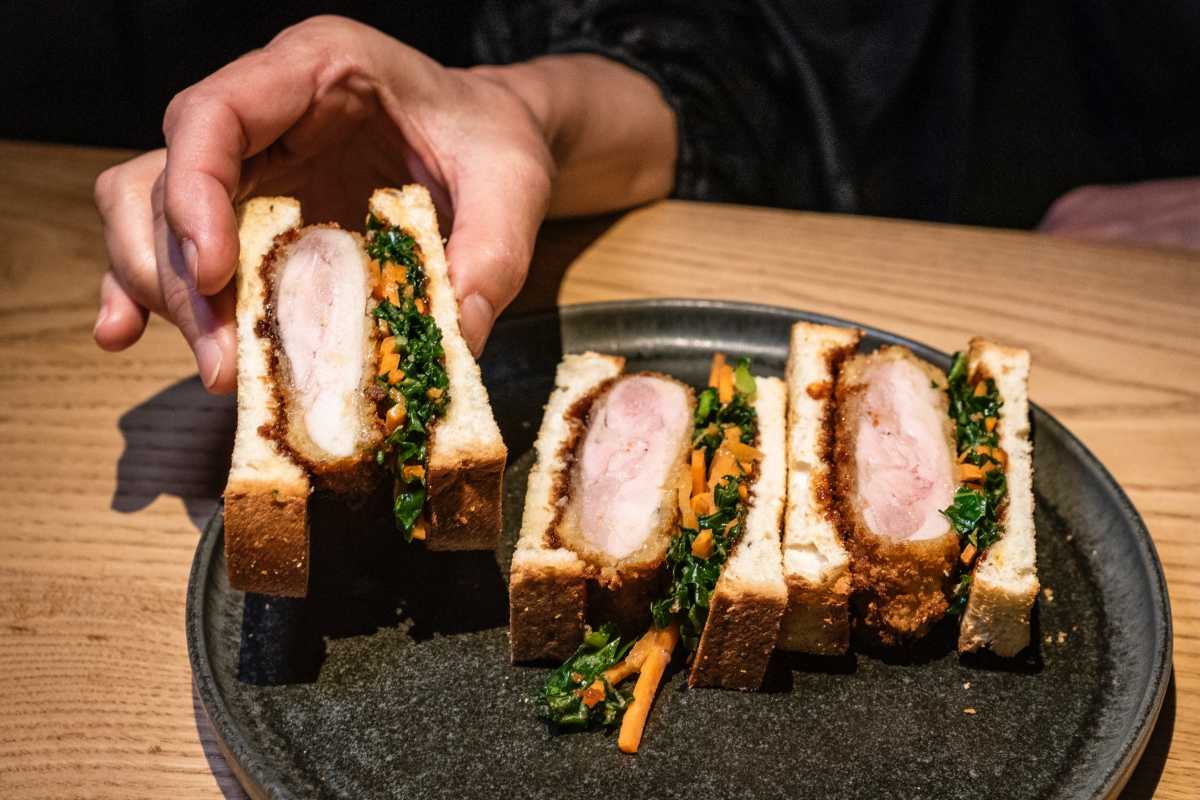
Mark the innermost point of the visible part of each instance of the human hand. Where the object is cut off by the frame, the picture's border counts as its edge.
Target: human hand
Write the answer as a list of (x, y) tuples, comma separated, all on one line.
[(1163, 213), (328, 111)]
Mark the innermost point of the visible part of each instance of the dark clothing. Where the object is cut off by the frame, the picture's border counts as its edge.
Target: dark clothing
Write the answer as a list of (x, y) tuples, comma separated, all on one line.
[(959, 111)]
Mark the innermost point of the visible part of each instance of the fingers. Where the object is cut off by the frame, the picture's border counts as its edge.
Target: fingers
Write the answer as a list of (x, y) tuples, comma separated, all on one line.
[(492, 240), (130, 289), (210, 129), (121, 320), (206, 322)]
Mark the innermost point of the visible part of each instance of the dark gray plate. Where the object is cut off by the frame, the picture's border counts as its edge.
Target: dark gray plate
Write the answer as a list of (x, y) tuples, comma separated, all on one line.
[(392, 677)]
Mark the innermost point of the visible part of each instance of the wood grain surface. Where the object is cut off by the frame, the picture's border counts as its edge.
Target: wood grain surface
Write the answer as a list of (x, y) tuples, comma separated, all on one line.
[(111, 463)]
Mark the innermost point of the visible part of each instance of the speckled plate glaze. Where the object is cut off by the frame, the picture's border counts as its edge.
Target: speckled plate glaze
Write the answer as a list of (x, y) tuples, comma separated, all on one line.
[(392, 678)]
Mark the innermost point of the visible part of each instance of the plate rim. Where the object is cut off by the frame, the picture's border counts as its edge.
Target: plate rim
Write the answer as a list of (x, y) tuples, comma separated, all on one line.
[(257, 777)]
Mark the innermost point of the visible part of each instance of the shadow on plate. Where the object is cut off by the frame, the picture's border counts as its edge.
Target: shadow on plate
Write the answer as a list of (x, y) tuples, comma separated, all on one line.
[(366, 577), (176, 443), (1144, 780)]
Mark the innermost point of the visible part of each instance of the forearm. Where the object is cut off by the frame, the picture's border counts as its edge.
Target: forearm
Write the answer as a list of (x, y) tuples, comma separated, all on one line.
[(612, 135)]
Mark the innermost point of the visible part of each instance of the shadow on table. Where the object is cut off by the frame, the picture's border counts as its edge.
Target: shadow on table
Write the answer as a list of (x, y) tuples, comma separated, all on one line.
[(176, 443), (1145, 777)]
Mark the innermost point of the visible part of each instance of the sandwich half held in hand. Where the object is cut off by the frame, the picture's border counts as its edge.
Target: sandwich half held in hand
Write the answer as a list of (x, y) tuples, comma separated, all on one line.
[(352, 370), (993, 509), (600, 504)]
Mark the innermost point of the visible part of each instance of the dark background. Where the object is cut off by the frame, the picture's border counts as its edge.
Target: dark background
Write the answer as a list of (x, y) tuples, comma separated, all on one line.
[(102, 73), (1056, 93)]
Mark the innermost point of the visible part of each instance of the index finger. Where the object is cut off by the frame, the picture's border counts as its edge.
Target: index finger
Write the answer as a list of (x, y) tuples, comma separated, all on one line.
[(210, 129)]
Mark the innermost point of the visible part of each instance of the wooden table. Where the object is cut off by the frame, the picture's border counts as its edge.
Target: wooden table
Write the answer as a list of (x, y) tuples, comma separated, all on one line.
[(111, 463)]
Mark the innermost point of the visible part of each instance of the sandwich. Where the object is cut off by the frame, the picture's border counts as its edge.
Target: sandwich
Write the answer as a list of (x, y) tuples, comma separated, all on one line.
[(600, 504), (722, 507), (352, 371), (909, 495), (993, 509)]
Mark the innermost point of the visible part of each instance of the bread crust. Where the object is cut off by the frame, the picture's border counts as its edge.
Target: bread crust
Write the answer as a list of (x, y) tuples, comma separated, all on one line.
[(1005, 584), (751, 595), (547, 599), (549, 585), (465, 503), (266, 498), (816, 564), (266, 538), (743, 624)]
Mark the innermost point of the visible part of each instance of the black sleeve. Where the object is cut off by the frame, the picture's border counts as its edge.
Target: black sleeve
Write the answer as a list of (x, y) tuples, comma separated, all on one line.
[(742, 135)]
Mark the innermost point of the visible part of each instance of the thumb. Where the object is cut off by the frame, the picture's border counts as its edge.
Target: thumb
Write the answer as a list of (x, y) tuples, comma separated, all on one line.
[(498, 209)]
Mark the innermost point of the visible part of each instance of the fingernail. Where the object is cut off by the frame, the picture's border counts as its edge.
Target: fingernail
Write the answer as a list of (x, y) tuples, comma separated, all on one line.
[(208, 360), (477, 318), (191, 258), (101, 318)]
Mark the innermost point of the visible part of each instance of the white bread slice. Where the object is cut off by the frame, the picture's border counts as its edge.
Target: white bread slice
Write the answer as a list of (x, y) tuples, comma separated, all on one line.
[(1005, 579), (266, 519), (547, 590), (746, 608), (816, 565), (466, 454)]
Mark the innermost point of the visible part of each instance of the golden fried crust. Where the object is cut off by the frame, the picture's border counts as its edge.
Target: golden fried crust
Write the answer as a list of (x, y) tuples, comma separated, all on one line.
[(818, 617), (738, 638), (899, 589), (266, 537), (546, 603), (465, 502)]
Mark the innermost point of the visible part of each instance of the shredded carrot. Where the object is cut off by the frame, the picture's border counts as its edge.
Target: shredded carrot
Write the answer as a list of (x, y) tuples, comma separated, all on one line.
[(387, 345), (723, 464), (980, 389), (634, 721), (410, 471), (389, 363), (396, 416), (418, 531), (420, 305), (990, 424), (702, 504), (702, 546), (687, 517), (376, 273), (725, 384), (1001, 456), (743, 452), (697, 471), (395, 376), (593, 694), (634, 658), (743, 492), (969, 473), (968, 554), (392, 294), (714, 372), (393, 274), (733, 433)]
